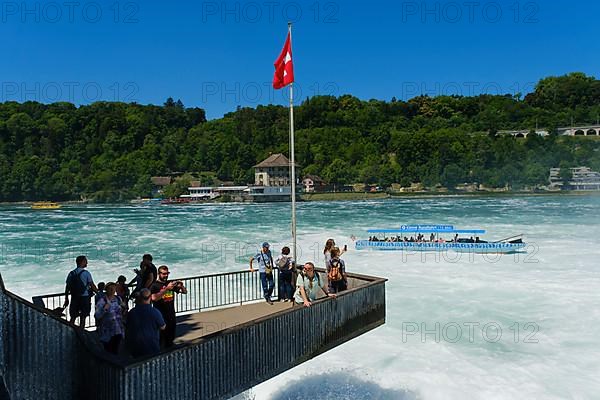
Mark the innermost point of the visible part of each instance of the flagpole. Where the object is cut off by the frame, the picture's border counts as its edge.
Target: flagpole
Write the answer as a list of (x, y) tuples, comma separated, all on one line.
[(293, 162)]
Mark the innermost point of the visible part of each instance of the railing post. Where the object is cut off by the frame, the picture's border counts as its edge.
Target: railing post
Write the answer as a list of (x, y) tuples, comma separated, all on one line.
[(4, 394), (3, 316)]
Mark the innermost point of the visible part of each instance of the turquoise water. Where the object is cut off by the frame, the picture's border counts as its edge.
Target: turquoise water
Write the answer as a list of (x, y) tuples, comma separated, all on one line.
[(458, 326)]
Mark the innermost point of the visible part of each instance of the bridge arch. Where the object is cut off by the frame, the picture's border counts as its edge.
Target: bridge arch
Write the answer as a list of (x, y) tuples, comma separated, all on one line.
[(591, 132), (579, 132)]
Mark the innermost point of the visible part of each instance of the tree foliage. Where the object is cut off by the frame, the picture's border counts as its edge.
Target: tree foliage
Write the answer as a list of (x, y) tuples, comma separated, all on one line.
[(108, 151)]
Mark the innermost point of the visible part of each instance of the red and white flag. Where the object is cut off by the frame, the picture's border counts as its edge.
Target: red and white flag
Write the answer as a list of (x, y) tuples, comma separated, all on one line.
[(284, 67)]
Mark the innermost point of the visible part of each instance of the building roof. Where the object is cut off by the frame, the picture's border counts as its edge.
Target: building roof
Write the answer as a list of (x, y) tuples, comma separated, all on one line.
[(161, 180), (314, 178), (274, 160)]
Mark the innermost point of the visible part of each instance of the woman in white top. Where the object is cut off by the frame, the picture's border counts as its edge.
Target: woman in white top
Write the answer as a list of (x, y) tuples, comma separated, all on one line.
[(329, 245)]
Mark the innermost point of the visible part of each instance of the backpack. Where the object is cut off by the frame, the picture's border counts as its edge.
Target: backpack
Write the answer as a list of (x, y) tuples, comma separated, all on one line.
[(316, 274), (75, 284), (284, 264), (335, 270)]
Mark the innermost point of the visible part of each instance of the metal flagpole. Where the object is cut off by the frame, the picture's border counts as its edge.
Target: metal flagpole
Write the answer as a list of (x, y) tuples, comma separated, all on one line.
[(292, 162)]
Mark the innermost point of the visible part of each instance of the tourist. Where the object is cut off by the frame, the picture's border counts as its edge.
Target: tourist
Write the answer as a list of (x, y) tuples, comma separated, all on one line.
[(265, 270), (336, 273), (327, 251), (145, 275), (144, 324), (109, 319), (330, 244), (100, 293), (163, 298), (122, 288), (286, 267), (148, 271), (80, 286), (308, 286)]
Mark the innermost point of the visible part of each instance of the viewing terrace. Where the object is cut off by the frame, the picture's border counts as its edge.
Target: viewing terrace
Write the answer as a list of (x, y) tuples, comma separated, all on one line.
[(225, 329)]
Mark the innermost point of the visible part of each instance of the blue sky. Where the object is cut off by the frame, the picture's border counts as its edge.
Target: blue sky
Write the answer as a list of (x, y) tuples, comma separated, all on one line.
[(219, 54)]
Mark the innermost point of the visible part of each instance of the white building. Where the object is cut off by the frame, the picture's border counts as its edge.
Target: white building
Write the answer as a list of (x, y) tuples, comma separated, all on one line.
[(583, 178)]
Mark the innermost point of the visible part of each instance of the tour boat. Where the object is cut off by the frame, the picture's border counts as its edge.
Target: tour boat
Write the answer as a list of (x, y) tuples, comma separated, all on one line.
[(438, 238), (45, 205)]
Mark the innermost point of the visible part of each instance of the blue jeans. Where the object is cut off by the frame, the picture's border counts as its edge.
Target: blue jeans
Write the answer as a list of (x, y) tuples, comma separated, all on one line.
[(267, 284), (286, 289)]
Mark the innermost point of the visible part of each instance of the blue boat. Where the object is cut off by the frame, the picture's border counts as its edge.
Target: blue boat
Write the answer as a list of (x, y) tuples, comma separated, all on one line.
[(438, 238)]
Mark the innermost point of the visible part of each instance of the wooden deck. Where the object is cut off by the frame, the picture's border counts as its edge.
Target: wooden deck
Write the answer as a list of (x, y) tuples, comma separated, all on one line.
[(194, 326)]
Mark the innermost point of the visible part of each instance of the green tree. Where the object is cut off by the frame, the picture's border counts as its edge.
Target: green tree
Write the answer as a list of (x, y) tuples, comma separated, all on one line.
[(453, 175), (179, 186), (337, 172)]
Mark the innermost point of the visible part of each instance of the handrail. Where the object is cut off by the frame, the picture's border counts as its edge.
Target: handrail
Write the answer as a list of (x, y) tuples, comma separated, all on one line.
[(204, 292), (43, 349), (370, 282)]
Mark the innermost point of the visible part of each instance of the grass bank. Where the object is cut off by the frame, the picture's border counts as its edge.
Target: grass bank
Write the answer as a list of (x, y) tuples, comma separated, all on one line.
[(343, 196)]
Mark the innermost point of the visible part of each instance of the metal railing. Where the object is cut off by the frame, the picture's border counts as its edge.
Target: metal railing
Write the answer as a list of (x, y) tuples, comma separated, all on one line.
[(203, 293), (42, 356)]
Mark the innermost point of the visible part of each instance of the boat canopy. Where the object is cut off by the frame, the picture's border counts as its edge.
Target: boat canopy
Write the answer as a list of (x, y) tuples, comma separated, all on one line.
[(427, 229)]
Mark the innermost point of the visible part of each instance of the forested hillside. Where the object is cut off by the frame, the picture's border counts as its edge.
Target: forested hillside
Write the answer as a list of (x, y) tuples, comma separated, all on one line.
[(109, 151)]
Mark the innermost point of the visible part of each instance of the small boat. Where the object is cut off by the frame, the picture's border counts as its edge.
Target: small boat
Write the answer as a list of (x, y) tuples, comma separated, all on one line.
[(176, 200), (45, 205), (438, 238), (146, 201)]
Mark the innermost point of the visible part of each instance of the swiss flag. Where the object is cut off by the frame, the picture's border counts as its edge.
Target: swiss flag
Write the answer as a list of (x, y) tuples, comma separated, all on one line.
[(284, 67)]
